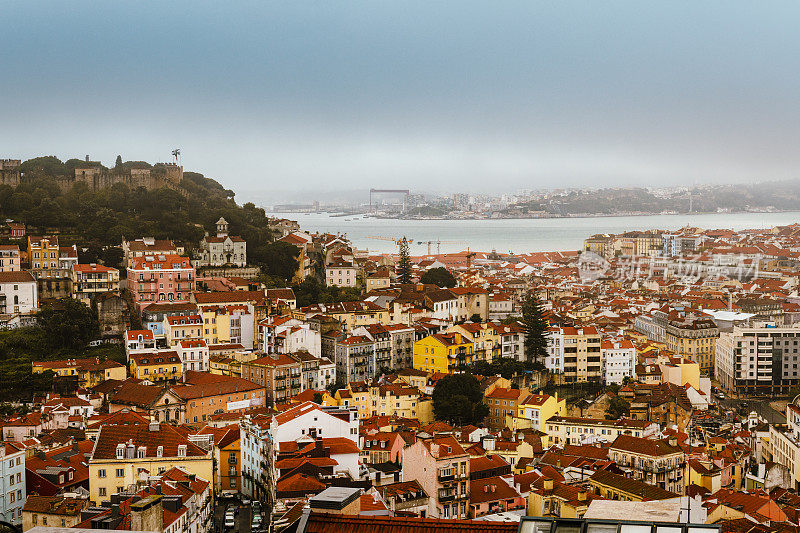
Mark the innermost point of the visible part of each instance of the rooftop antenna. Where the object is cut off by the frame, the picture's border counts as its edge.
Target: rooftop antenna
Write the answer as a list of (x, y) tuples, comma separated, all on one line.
[(176, 153)]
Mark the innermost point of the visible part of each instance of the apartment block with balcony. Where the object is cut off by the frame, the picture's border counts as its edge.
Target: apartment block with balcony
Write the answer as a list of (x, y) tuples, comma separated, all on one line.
[(441, 467), (443, 352), (281, 375), (355, 358), (160, 278), (562, 430), (9, 258), (575, 353), (693, 337), (660, 463), (257, 452), (762, 359), (90, 280)]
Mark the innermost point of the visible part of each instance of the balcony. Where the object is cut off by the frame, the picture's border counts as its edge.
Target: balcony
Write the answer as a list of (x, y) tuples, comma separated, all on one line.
[(446, 477), (447, 498)]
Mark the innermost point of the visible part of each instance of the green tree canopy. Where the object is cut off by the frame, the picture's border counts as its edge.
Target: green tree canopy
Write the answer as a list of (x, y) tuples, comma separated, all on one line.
[(438, 276), (279, 259), (458, 400), (617, 408), (69, 323)]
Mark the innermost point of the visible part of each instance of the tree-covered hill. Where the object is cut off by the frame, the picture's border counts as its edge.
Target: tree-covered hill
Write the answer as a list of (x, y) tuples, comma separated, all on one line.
[(105, 216)]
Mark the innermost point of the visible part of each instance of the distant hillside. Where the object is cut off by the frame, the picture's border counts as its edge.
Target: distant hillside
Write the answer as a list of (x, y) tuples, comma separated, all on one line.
[(779, 195)]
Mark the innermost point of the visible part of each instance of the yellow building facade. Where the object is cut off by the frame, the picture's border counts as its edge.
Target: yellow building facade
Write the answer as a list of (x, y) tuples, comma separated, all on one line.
[(442, 352)]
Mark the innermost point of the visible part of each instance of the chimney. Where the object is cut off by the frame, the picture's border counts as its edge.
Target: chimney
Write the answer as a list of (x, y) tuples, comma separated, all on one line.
[(148, 515), (548, 484), (154, 426), (673, 441), (582, 496)]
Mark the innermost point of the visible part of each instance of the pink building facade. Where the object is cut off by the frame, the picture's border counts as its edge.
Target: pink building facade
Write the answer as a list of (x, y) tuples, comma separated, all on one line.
[(160, 278), (9, 258)]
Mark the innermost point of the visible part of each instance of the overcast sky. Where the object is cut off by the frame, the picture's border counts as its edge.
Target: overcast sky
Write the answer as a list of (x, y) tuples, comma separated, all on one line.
[(429, 95)]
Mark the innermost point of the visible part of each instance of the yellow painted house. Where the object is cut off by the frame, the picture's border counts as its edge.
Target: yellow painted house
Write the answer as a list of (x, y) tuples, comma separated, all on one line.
[(442, 352), (126, 455), (396, 399), (89, 372), (43, 253), (485, 340), (164, 365), (535, 410), (225, 366)]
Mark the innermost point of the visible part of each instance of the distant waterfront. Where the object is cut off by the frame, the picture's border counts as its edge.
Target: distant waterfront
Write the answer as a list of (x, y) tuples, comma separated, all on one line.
[(518, 235)]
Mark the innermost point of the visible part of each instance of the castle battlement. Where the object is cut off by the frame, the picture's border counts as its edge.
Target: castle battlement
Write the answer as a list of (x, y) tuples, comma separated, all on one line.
[(97, 178)]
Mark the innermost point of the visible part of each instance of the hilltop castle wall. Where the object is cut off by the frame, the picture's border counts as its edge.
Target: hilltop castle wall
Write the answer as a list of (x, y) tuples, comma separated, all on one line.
[(9, 172), (169, 175)]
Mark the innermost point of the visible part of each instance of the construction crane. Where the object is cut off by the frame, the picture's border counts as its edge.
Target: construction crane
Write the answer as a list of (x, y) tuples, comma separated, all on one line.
[(438, 244), (398, 242), (470, 255)]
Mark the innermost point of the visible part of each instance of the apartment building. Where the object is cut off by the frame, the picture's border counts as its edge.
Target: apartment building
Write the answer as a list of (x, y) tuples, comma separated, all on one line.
[(194, 355), (181, 328), (441, 467), (160, 278), (442, 352), (12, 482), (229, 324), (153, 315), (693, 337), (660, 463), (760, 359), (575, 353), (355, 358), (341, 274), (147, 246), (562, 430), (257, 452), (402, 338), (784, 443), (617, 360), (159, 366), (280, 375), (502, 403), (534, 410), (51, 265), (52, 511), (88, 372), (93, 279), (9, 258), (124, 455), (381, 344), (19, 293)]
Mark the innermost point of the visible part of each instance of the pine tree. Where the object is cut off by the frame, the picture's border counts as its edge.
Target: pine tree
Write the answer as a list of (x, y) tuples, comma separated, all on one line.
[(535, 328), (404, 263), (118, 164)]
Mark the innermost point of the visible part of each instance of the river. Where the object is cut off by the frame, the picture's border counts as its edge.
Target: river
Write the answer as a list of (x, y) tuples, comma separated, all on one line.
[(517, 235)]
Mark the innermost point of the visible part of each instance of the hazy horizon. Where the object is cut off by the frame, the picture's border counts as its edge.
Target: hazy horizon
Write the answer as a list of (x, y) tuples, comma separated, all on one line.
[(462, 97)]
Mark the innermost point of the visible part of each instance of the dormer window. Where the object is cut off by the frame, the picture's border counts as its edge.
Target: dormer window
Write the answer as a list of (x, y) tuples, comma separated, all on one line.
[(181, 450), (141, 452), (120, 451), (160, 451)]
